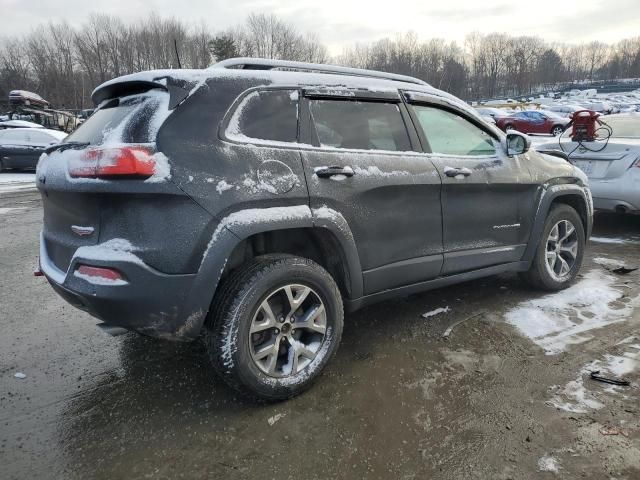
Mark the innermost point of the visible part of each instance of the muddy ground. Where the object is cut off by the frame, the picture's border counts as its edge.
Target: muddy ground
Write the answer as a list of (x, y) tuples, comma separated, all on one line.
[(398, 401)]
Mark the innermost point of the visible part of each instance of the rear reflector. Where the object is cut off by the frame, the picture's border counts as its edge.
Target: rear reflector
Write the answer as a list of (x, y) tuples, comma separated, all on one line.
[(129, 162), (100, 275)]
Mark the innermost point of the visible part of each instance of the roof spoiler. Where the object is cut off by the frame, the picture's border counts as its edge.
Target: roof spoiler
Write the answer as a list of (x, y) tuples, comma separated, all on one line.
[(247, 63), (114, 89)]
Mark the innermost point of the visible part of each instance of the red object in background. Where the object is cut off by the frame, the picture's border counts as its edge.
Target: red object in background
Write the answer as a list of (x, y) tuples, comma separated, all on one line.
[(530, 121), (583, 123)]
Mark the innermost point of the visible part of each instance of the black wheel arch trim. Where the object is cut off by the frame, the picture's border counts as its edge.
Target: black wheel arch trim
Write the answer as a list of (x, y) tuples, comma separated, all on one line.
[(231, 232), (550, 193)]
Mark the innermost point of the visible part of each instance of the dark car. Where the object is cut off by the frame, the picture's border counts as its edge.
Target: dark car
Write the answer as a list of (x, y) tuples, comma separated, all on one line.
[(532, 121), (253, 205), (20, 148)]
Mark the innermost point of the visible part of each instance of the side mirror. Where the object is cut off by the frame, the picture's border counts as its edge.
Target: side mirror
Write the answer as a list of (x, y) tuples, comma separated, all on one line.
[(516, 143)]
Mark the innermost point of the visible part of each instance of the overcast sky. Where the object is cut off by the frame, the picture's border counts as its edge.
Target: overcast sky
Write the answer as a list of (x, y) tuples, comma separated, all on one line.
[(343, 22)]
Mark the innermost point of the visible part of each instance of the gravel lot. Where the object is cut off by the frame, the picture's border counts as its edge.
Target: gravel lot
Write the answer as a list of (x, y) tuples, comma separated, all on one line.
[(398, 402)]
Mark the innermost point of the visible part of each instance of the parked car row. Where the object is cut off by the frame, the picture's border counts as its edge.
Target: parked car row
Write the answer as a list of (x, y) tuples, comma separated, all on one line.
[(20, 148)]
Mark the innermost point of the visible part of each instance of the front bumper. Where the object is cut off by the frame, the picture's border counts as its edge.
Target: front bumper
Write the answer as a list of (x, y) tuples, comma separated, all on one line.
[(151, 302)]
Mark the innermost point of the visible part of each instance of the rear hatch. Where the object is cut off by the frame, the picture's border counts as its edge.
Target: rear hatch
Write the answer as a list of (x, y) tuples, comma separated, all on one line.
[(111, 155)]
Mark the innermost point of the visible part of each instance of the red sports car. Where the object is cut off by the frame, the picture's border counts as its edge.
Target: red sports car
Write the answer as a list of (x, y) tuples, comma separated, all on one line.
[(533, 121)]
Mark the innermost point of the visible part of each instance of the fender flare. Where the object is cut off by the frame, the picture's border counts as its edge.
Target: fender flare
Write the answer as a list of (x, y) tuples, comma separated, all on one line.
[(548, 195), (237, 226)]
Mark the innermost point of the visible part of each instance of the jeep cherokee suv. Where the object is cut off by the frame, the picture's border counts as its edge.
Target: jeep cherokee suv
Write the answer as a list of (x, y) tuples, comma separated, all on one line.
[(252, 201)]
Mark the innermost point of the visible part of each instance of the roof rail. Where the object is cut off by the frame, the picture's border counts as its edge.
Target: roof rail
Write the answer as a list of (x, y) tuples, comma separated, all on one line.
[(247, 63)]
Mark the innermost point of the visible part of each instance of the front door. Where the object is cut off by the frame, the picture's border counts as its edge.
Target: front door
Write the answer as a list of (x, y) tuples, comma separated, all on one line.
[(484, 191), (365, 165)]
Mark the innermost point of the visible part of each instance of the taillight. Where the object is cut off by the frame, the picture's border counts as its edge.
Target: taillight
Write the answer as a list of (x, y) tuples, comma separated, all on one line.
[(132, 162)]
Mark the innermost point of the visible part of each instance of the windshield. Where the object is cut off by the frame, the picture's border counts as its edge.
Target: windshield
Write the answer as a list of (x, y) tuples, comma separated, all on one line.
[(627, 127)]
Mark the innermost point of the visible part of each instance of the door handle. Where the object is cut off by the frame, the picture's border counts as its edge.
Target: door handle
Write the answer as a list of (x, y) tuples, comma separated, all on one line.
[(327, 172), (455, 172)]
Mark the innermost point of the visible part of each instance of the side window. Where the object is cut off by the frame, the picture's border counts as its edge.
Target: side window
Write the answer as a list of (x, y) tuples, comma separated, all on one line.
[(266, 115), (41, 138), (451, 134), (15, 137), (359, 125)]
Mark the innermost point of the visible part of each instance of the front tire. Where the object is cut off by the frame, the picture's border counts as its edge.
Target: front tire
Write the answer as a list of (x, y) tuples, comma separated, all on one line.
[(275, 324), (559, 255)]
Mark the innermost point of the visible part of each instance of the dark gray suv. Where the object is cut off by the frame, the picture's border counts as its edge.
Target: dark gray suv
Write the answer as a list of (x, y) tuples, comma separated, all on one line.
[(251, 202)]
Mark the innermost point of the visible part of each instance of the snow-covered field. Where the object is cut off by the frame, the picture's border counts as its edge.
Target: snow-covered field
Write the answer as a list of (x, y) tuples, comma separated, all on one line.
[(10, 182)]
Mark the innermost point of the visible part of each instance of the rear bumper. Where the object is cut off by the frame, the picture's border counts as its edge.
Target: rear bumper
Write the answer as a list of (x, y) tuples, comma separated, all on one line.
[(151, 302), (616, 195)]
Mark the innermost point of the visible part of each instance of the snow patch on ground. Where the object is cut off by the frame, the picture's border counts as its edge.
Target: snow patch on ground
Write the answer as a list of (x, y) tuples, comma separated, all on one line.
[(617, 241), (10, 182), (272, 420), (575, 397), (435, 312), (5, 210), (547, 463), (564, 318), (608, 262)]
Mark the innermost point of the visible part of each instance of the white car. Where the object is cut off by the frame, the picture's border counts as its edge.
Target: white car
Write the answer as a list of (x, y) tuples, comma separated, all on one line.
[(613, 167), (20, 148)]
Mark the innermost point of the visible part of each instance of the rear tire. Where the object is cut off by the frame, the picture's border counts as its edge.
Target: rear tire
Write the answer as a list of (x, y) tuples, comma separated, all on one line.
[(559, 255), (275, 324), (557, 130), (508, 127)]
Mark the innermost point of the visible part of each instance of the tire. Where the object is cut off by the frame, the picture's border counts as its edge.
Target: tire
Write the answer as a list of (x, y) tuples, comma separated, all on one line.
[(239, 307), (508, 127), (557, 130), (540, 273)]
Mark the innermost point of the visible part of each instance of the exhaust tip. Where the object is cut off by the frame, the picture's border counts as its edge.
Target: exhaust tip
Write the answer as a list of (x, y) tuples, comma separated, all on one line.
[(112, 330)]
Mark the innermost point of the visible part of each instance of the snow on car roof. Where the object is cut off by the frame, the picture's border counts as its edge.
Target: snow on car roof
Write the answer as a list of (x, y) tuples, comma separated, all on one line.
[(19, 124)]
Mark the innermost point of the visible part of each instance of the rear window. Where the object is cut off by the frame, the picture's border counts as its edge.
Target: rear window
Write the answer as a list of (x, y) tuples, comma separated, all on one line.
[(359, 125), (133, 119), (270, 115)]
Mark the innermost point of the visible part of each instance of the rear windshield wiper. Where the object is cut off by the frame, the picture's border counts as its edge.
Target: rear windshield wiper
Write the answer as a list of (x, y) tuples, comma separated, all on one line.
[(61, 147)]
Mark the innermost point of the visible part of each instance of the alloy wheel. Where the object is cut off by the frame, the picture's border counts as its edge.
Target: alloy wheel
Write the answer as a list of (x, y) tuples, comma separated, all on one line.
[(561, 250), (287, 330)]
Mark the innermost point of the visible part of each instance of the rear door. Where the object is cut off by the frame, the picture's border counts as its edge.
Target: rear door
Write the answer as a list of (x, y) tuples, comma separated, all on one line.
[(365, 165), (484, 192)]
